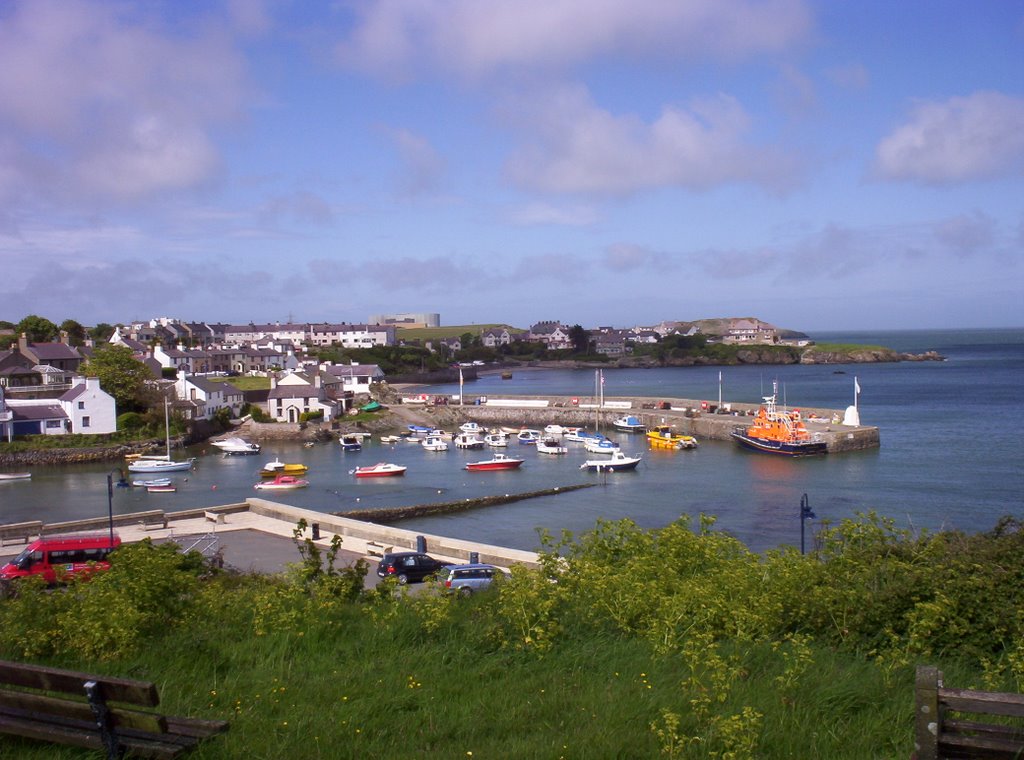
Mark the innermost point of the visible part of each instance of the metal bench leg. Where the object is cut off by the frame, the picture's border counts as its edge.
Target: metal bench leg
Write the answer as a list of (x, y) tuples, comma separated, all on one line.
[(99, 710)]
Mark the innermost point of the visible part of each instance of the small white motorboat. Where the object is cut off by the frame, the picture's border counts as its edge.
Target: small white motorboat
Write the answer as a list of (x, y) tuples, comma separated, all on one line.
[(468, 441), (151, 482), (496, 440), (4, 476), (236, 445), (379, 470), (528, 437), (434, 443), (551, 445), (282, 483), (619, 462)]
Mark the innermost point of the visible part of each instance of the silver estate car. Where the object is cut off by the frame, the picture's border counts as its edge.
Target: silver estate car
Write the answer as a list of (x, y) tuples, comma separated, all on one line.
[(467, 579)]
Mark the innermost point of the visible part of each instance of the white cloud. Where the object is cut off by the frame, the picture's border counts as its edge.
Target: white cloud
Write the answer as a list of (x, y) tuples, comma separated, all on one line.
[(980, 136), (100, 101), (546, 213), (422, 166), (472, 38), (577, 147)]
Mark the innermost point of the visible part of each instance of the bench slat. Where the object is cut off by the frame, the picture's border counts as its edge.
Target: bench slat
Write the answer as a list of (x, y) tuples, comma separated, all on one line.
[(27, 705), (989, 729), (69, 682), (991, 703)]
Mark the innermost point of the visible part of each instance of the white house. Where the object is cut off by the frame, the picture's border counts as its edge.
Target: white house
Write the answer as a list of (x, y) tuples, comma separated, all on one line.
[(355, 377), (85, 408), (495, 337), (351, 336), (89, 408), (207, 397), (294, 394)]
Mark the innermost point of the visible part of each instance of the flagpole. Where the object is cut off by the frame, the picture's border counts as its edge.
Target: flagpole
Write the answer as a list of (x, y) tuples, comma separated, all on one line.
[(719, 389)]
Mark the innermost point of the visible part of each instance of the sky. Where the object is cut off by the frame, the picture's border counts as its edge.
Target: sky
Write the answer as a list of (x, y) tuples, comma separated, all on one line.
[(819, 165)]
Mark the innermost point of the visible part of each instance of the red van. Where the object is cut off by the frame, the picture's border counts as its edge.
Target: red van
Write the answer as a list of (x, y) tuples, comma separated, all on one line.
[(58, 556)]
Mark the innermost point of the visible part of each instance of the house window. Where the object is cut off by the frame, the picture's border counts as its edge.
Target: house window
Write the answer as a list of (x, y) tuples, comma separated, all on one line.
[(50, 424), (85, 421), (81, 405)]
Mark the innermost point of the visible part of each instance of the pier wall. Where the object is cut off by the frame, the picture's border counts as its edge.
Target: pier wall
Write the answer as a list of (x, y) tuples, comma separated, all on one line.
[(689, 416)]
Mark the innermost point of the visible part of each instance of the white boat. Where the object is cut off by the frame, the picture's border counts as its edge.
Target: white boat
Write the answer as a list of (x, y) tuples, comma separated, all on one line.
[(580, 435), (151, 482), (551, 445), (496, 440), (629, 424), (527, 436), (237, 445), (351, 442), (556, 430), (600, 446), (468, 441), (390, 438), (434, 443), (282, 483), (470, 427), (15, 476), (618, 462), (165, 463)]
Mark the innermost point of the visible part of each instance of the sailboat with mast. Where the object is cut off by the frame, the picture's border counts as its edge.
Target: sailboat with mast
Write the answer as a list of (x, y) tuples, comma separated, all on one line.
[(162, 463)]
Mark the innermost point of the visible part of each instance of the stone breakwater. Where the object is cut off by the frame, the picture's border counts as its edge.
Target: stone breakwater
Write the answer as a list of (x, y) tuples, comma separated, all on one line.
[(85, 455), (394, 514)]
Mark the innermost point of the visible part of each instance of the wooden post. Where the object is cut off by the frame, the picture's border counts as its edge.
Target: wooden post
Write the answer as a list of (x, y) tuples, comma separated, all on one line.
[(927, 720)]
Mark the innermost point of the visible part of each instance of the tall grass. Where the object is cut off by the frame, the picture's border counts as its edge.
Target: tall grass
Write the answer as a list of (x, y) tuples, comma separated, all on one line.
[(717, 653)]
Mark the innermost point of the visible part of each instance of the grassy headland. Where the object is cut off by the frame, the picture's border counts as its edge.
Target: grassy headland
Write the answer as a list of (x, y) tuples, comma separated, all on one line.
[(625, 643)]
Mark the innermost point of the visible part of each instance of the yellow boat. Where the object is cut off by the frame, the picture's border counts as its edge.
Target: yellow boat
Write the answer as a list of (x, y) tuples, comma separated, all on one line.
[(663, 437), (277, 467)]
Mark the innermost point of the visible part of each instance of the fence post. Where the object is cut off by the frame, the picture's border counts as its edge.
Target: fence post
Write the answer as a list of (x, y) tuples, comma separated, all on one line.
[(926, 712)]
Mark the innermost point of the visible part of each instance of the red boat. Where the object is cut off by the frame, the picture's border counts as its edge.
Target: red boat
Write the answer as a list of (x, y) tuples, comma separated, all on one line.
[(379, 470), (499, 462)]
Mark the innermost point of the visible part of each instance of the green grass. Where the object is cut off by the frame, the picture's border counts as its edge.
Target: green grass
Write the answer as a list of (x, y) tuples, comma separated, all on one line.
[(846, 348), (775, 656), (449, 331)]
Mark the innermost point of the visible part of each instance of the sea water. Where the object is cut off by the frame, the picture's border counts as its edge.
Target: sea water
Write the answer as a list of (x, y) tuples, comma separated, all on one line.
[(950, 456)]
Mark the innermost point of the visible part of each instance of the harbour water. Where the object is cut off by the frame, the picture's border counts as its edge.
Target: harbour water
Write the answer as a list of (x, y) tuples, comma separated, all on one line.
[(950, 456)]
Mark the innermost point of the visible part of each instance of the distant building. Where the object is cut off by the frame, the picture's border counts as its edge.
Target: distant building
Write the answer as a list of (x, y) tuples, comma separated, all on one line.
[(431, 319)]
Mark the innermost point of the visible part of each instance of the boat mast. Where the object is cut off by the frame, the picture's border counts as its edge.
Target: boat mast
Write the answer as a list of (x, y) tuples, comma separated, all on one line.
[(167, 427)]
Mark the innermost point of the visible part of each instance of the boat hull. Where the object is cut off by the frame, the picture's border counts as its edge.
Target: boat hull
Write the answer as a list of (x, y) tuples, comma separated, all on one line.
[(151, 467), (378, 471), (507, 464), (780, 448)]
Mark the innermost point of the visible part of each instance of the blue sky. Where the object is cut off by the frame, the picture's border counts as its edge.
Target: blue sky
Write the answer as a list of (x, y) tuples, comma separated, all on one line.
[(819, 165)]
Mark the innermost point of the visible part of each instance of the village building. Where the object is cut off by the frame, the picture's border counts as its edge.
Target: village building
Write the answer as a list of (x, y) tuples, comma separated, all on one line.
[(294, 394)]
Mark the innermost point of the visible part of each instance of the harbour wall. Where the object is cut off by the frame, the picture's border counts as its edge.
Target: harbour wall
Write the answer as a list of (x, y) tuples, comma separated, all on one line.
[(699, 418)]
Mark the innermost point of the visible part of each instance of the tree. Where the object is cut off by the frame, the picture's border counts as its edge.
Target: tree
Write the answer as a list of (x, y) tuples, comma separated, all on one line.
[(101, 333), (580, 339), (119, 374), (75, 331), (38, 329)]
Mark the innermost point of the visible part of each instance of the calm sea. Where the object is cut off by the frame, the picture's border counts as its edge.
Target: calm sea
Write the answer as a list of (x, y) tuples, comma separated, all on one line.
[(950, 456)]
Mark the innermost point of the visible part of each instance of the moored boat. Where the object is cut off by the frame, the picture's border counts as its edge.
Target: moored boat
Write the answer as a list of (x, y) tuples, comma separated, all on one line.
[(580, 435), (497, 462), (434, 443), (629, 424), (277, 467), (470, 427), (379, 470), (528, 437), (282, 483), (160, 465), (151, 482), (664, 437), (496, 440), (618, 462), (551, 445), (601, 445), (351, 442), (779, 432), (161, 489), (468, 441), (237, 445), (15, 476)]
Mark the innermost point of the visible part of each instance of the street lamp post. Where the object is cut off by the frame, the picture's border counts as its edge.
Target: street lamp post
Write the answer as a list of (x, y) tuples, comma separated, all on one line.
[(110, 500), (806, 513)]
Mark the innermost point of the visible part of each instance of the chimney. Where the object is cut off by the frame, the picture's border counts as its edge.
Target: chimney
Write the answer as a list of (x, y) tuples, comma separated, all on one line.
[(23, 343), (65, 338)]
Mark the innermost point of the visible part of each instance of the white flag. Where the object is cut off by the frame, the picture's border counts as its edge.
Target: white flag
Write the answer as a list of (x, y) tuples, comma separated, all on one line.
[(856, 386)]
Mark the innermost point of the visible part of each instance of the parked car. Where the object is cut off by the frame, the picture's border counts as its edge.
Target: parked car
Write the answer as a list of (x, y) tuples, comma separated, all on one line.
[(408, 566), (467, 579)]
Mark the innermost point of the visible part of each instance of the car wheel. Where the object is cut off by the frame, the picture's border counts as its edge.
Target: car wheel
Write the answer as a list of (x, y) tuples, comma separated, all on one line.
[(465, 591), (403, 578)]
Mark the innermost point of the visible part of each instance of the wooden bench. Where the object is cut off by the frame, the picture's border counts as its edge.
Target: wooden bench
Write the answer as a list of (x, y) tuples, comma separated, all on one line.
[(939, 735), (152, 520), (214, 517), (67, 707), (377, 549), (22, 532)]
